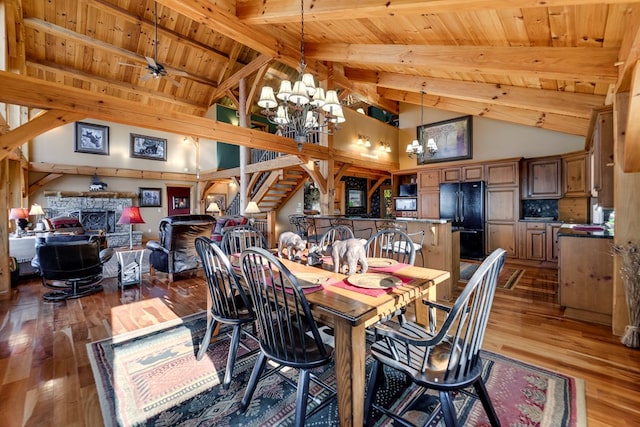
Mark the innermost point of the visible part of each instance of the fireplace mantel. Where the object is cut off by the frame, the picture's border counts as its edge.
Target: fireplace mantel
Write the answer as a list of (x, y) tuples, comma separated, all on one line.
[(95, 194)]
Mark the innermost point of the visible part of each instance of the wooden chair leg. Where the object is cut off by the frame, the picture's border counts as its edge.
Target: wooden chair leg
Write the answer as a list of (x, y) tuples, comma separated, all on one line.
[(253, 381), (304, 377), (231, 357), (206, 339), (448, 410)]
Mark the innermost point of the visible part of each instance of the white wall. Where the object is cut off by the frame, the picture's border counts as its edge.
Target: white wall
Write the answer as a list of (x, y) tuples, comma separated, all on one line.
[(491, 139), (57, 147)]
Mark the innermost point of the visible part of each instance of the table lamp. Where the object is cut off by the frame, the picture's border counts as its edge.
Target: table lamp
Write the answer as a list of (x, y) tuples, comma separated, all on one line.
[(37, 211), (213, 208), (131, 215), (20, 215), (252, 208)]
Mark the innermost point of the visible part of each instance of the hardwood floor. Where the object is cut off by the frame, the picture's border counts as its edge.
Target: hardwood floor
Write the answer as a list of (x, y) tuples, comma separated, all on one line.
[(46, 379)]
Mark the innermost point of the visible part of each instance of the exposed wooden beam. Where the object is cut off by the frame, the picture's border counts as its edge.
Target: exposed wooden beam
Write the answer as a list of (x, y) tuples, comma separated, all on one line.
[(35, 93), (255, 87), (52, 29), (565, 103), (288, 11), (559, 123), (44, 181), (101, 84), (314, 172), (277, 163), (632, 133), (110, 172), (560, 63), (372, 163), (341, 171), (38, 125), (244, 72), (375, 186)]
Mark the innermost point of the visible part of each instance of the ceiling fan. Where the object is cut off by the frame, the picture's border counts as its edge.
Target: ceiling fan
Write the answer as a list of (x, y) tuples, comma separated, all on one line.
[(154, 68)]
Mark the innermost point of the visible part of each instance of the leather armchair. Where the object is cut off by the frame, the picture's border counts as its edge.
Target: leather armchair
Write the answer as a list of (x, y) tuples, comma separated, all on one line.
[(175, 252), (71, 265)]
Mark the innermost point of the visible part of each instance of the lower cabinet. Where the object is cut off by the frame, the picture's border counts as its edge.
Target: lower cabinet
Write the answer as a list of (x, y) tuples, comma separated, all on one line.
[(585, 276), (501, 235), (538, 241)]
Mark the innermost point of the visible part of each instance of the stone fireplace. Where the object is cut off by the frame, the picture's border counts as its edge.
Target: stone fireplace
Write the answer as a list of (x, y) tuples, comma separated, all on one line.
[(96, 210)]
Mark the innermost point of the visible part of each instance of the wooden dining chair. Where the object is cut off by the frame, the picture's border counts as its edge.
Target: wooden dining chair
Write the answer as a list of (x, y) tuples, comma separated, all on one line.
[(287, 331), (392, 244), (337, 232), (229, 302), (241, 237), (446, 358)]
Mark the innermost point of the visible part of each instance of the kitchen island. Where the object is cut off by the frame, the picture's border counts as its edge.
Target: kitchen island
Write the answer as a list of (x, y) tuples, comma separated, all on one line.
[(585, 273), (441, 246)]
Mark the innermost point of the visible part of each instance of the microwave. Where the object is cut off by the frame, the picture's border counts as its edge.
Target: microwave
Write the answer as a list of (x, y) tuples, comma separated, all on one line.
[(406, 204)]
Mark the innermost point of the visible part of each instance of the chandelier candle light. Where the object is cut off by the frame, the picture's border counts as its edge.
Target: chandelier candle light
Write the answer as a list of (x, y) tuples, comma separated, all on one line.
[(302, 109), (131, 215), (416, 147)]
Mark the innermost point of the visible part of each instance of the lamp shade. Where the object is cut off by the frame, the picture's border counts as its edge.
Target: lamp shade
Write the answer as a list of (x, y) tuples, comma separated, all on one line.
[(131, 215), (36, 209), (213, 207), (252, 208), (19, 213)]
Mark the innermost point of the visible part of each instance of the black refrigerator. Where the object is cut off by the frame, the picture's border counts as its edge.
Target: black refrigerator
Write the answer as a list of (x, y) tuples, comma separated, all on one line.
[(463, 203)]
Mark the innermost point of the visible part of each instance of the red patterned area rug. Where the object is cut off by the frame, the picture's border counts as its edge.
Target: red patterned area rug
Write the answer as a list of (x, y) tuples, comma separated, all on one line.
[(153, 378), (508, 278)]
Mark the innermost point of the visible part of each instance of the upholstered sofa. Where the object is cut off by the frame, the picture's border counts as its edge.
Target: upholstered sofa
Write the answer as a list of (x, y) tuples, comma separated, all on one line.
[(69, 225), (225, 223), (175, 252)]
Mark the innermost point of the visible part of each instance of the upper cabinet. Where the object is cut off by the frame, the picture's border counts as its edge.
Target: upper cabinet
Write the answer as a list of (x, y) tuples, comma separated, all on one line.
[(541, 178), (601, 157), (575, 175), (463, 173)]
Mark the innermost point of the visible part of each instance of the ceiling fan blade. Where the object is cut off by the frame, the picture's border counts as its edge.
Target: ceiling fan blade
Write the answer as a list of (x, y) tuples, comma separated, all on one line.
[(151, 62), (132, 65), (146, 77), (173, 81)]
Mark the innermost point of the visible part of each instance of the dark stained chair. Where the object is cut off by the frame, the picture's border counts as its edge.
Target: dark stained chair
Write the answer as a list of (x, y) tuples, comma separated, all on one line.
[(71, 265), (238, 238), (337, 232), (304, 226), (445, 358), (175, 252), (287, 331), (229, 303)]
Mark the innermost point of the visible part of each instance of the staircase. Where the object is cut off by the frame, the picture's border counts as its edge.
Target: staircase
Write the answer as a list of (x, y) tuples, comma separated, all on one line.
[(274, 188)]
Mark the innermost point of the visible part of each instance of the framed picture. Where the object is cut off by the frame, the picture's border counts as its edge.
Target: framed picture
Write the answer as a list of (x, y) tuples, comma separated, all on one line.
[(219, 199), (180, 202), (148, 147), (452, 137), (355, 198), (150, 197), (92, 138)]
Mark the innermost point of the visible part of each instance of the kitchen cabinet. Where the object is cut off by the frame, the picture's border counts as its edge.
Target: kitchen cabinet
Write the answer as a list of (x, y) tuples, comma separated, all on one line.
[(429, 179), (552, 240), (541, 178), (463, 173), (502, 206), (429, 204), (601, 156), (585, 277), (575, 175)]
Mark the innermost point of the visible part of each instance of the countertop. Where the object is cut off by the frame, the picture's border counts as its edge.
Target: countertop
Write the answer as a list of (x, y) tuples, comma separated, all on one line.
[(585, 230), (539, 219)]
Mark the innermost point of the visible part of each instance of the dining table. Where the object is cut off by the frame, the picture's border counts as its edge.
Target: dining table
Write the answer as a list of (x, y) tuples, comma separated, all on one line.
[(350, 309)]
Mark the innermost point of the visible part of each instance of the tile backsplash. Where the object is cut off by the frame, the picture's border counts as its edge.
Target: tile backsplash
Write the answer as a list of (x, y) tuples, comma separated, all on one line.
[(540, 208)]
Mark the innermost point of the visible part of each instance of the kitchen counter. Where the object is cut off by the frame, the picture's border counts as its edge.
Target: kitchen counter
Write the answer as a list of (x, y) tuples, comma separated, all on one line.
[(539, 219), (425, 220), (585, 230)]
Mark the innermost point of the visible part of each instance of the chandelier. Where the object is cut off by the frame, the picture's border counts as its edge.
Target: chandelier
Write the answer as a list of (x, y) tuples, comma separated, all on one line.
[(301, 109), (416, 147)]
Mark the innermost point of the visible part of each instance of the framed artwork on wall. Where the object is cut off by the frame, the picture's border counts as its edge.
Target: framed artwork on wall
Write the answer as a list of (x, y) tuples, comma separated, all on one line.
[(91, 138), (355, 198), (150, 197), (148, 147), (180, 202), (218, 198), (452, 137)]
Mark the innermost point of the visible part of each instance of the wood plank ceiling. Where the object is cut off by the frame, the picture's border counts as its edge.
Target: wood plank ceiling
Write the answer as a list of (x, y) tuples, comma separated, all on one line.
[(544, 64)]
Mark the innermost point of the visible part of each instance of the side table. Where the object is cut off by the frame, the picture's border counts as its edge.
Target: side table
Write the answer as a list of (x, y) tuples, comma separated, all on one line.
[(130, 265)]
